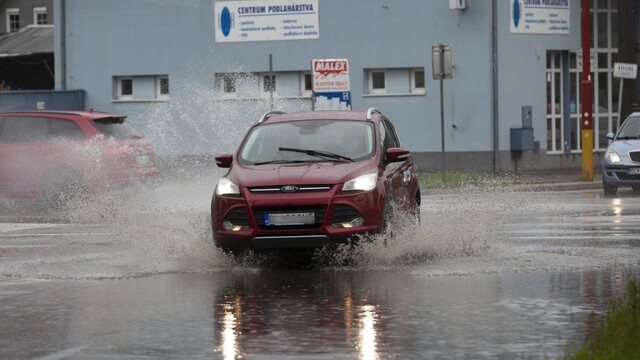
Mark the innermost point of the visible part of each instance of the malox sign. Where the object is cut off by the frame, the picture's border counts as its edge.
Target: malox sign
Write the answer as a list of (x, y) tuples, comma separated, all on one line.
[(330, 75)]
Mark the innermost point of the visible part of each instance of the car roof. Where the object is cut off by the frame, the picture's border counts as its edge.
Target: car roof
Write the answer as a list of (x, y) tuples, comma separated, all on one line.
[(279, 116), (89, 115)]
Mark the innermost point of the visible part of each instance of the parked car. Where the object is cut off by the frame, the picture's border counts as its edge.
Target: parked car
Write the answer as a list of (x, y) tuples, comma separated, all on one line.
[(621, 163), (310, 179), (51, 155)]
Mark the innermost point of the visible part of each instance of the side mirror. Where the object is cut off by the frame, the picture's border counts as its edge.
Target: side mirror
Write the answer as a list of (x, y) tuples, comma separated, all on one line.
[(397, 154), (224, 160), (610, 136)]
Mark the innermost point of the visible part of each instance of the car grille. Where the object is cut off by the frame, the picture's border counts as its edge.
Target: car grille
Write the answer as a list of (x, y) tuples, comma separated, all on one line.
[(622, 175), (344, 213), (319, 212), (299, 189), (634, 156)]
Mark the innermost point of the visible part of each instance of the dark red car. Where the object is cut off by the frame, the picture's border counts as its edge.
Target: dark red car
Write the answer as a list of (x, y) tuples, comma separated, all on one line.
[(48, 154), (309, 179)]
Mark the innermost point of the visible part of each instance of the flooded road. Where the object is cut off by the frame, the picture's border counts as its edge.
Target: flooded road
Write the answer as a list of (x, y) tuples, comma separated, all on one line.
[(490, 273)]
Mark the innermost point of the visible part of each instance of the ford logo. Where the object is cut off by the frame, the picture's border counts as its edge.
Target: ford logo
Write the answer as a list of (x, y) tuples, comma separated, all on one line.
[(289, 189)]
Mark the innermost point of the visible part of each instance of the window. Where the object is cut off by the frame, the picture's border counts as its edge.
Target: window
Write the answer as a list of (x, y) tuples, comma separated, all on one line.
[(125, 88), (306, 84), (377, 82), (228, 83), (24, 129), (268, 83), (417, 81), (65, 130), (162, 87), (13, 20), (40, 15)]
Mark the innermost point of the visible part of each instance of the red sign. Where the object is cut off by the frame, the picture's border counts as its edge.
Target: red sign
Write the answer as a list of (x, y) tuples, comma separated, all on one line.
[(330, 75)]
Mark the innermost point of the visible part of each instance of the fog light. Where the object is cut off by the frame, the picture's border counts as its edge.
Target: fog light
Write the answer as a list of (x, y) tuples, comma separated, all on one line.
[(231, 227), (346, 225)]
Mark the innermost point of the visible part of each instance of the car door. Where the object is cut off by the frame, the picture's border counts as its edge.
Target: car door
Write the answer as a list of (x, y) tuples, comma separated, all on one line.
[(396, 173)]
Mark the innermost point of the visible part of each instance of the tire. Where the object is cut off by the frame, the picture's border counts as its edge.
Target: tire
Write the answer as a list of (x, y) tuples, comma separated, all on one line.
[(609, 190), (386, 229)]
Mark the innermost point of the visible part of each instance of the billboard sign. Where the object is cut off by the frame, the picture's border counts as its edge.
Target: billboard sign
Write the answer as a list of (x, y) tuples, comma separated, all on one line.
[(266, 20), (330, 75), (540, 16)]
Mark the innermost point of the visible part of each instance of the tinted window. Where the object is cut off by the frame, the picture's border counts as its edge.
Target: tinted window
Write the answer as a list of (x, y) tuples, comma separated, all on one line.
[(116, 128), (23, 129)]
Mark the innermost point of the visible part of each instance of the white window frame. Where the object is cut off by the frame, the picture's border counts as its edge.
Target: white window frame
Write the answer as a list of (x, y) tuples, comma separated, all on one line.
[(303, 82), (264, 91), (159, 94), (414, 88), (39, 10), (9, 13), (373, 90), (120, 95)]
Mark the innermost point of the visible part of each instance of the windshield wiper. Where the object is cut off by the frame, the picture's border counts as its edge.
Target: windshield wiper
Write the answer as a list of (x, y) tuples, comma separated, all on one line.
[(318, 153), (279, 162), (628, 138)]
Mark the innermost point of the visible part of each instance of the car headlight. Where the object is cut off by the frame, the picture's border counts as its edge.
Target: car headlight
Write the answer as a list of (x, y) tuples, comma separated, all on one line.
[(227, 187), (612, 156), (362, 183)]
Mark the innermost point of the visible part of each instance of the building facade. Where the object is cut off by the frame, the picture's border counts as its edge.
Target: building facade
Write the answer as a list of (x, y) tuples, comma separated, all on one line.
[(18, 14), (193, 74)]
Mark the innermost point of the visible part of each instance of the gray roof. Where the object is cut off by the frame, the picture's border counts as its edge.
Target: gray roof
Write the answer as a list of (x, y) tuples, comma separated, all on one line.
[(32, 39)]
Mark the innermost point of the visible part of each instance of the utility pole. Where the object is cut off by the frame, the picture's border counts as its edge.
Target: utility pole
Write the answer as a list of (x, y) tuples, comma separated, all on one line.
[(586, 97)]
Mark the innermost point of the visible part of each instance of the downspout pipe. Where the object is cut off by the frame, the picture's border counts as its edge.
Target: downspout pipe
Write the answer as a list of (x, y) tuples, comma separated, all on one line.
[(63, 46), (494, 85)]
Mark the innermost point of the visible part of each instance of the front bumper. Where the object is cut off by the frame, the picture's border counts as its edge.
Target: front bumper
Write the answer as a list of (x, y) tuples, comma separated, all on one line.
[(246, 228), (621, 175)]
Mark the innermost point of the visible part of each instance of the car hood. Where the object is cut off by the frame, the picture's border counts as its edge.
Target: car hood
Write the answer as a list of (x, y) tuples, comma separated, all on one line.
[(320, 173), (622, 147)]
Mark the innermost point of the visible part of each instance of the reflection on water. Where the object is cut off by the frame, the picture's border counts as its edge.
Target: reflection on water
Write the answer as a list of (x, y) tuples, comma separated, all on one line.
[(367, 337), (229, 336), (319, 314)]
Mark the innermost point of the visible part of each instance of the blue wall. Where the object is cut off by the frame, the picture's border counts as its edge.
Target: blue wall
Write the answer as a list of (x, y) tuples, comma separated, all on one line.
[(107, 38)]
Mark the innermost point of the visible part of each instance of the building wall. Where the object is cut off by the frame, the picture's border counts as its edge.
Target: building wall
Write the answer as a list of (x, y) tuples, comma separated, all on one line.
[(108, 39)]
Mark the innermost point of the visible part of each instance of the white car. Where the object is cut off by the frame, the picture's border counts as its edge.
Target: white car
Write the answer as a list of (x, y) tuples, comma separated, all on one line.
[(621, 163)]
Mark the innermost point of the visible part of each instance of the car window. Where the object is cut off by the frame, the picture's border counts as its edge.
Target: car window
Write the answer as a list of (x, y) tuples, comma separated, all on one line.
[(23, 129), (388, 136), (630, 128), (352, 139), (116, 128), (61, 129)]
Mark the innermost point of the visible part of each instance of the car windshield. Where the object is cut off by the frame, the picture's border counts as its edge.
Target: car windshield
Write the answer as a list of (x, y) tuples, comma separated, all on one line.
[(309, 141), (630, 129), (117, 128)]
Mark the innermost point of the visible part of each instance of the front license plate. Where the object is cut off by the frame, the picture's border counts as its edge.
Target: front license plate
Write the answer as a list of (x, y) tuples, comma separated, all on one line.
[(306, 218), (634, 171)]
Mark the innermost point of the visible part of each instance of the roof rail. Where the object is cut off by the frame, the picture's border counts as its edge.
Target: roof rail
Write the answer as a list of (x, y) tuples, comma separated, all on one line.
[(370, 112), (268, 115)]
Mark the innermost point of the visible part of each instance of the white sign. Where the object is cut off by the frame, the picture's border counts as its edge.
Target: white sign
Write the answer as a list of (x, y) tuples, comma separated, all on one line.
[(625, 71), (266, 20), (540, 16), (330, 75)]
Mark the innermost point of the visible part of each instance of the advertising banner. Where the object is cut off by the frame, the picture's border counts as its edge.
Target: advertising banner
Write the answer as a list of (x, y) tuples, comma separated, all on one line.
[(540, 16)]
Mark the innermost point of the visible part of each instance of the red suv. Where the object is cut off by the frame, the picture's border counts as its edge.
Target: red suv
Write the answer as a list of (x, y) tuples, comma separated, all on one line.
[(48, 154), (309, 179)]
